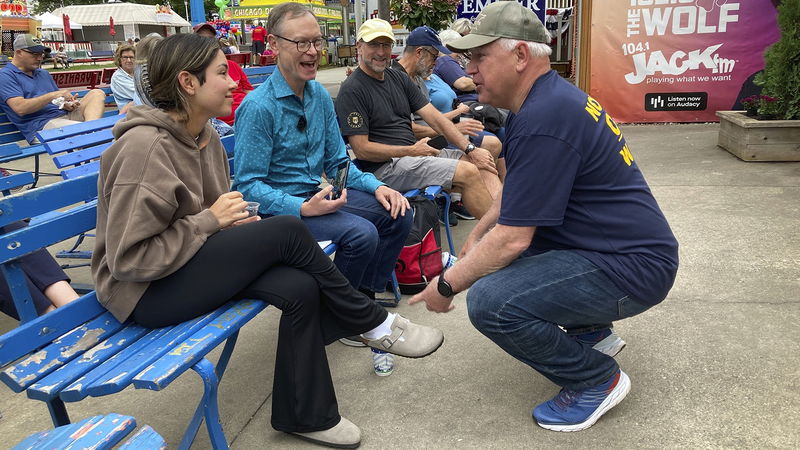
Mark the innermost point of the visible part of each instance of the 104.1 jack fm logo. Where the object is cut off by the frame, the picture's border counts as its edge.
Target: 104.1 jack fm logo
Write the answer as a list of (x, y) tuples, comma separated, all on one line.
[(704, 62)]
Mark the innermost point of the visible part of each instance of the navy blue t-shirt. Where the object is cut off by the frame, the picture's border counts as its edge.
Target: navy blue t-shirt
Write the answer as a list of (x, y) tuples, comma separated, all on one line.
[(571, 175), (16, 83)]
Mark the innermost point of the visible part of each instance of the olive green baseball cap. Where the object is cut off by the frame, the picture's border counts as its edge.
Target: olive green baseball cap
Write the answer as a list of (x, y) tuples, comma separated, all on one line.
[(503, 19)]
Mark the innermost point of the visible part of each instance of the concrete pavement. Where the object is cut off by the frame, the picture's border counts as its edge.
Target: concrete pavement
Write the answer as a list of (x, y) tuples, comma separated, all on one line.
[(716, 365)]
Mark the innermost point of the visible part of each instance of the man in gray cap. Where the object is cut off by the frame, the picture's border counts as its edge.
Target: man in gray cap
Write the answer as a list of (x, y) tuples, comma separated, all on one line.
[(31, 98), (576, 240)]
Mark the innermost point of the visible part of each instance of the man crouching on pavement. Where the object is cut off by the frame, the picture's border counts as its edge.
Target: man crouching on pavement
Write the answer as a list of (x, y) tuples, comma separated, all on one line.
[(575, 241)]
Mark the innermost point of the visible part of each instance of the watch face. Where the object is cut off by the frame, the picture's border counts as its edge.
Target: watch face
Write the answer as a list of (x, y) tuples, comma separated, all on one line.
[(444, 287)]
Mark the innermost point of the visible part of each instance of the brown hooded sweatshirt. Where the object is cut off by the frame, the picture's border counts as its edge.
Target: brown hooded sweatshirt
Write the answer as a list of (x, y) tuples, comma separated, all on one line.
[(155, 187)]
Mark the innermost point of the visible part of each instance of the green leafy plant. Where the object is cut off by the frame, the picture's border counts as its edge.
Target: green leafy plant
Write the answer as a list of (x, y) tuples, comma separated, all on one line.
[(436, 14), (781, 76)]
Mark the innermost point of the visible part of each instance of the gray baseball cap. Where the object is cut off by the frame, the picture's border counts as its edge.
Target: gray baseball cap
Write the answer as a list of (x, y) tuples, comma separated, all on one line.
[(503, 19)]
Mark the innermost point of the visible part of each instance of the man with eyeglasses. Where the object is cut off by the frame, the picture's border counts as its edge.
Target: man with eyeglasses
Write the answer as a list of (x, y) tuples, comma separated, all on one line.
[(375, 106), (420, 55), (28, 92), (287, 136)]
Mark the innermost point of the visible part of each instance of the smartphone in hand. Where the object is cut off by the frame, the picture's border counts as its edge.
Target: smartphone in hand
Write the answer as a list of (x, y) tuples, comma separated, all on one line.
[(438, 142), (340, 183)]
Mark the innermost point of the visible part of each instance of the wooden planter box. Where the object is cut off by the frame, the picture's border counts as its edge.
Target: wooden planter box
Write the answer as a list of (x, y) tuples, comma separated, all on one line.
[(759, 140)]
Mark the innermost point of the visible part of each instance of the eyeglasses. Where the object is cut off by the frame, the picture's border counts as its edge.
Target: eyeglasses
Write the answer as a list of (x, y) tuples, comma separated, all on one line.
[(304, 46), (35, 55), (301, 123), (435, 55), (379, 45), (127, 57)]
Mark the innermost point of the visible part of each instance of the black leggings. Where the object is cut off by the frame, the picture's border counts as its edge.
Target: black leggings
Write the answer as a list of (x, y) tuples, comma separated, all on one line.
[(278, 261)]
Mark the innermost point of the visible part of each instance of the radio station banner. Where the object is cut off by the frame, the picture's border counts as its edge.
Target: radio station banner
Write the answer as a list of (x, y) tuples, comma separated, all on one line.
[(677, 60), (471, 8)]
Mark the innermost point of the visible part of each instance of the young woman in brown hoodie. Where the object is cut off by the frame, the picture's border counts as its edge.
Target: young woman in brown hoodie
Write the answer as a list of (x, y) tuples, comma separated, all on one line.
[(173, 243)]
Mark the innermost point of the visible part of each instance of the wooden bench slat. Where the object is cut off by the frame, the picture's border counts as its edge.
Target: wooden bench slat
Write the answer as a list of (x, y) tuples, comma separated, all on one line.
[(79, 141), (24, 373), (51, 385), (78, 129), (48, 231), (145, 439), (171, 365), (76, 391), (80, 156), (35, 334), (44, 199), (98, 432), (124, 373), (81, 171), (15, 181)]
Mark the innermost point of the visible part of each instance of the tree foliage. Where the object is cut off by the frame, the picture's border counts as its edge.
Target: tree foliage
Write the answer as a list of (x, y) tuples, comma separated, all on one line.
[(436, 14), (781, 76)]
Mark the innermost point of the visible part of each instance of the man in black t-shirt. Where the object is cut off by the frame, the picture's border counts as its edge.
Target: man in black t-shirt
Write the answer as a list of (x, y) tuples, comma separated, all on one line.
[(374, 108)]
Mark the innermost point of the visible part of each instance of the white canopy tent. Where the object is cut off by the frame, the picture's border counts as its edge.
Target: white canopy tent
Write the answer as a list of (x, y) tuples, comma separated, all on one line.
[(53, 26), (54, 22)]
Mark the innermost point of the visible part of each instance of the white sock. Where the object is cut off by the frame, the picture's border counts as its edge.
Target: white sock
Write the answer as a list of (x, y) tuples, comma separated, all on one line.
[(455, 197), (381, 330)]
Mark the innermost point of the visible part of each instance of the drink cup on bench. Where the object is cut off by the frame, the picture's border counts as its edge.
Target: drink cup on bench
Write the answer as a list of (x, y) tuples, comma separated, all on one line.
[(252, 208)]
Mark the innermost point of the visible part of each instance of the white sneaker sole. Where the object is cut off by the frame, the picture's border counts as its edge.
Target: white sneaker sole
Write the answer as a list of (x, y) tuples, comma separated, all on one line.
[(616, 396)]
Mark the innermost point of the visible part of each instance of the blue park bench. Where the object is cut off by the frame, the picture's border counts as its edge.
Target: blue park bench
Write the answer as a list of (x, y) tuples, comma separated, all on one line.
[(98, 432), (80, 350)]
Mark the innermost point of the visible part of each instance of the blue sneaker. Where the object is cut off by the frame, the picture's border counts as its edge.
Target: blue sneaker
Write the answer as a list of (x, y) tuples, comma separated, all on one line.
[(578, 410), (604, 341)]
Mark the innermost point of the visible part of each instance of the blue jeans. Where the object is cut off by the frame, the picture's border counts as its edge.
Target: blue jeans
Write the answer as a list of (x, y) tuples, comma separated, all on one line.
[(520, 308), (368, 239)]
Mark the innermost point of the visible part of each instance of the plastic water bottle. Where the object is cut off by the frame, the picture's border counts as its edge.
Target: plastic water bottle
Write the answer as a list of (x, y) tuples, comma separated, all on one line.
[(448, 260), (382, 362)]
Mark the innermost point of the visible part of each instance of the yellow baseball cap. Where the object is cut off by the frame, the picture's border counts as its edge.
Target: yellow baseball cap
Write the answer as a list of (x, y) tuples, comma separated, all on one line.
[(374, 28)]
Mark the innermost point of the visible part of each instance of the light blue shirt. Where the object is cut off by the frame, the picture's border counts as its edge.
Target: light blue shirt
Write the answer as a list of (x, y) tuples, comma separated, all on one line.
[(276, 163), (122, 88)]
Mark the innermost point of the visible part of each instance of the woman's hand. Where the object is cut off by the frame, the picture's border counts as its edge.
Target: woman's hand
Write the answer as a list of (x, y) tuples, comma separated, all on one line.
[(229, 208)]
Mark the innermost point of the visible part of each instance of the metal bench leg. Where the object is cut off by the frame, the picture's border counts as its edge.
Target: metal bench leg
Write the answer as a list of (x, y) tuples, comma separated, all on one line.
[(208, 408), (58, 412)]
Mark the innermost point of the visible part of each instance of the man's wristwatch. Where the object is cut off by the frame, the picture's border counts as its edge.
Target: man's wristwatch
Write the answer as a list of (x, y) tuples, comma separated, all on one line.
[(470, 147), (444, 288)]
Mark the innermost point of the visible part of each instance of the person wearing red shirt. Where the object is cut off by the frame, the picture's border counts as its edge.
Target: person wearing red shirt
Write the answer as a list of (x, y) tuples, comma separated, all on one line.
[(236, 73), (259, 34)]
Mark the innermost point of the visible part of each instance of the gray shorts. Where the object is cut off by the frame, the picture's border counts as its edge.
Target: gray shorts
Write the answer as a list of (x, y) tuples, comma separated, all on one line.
[(411, 172)]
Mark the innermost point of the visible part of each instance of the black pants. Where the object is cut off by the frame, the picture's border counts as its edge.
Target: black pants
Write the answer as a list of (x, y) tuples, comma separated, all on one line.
[(278, 261), (41, 270)]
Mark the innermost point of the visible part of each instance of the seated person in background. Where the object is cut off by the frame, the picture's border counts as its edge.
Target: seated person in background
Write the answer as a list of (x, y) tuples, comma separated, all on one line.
[(122, 80), (60, 57), (225, 46), (27, 93), (374, 107), (417, 65), (452, 72), (287, 136), (47, 283), (169, 229), (243, 86)]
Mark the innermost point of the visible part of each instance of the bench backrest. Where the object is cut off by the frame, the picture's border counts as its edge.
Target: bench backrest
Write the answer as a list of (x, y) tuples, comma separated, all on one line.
[(42, 233), (77, 148)]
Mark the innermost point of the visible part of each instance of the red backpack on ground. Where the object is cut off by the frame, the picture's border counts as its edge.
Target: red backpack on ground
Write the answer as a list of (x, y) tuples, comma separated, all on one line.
[(421, 257)]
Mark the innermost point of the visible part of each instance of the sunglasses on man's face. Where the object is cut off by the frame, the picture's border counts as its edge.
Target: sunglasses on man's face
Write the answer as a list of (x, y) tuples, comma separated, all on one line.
[(35, 54)]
